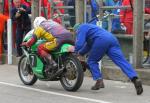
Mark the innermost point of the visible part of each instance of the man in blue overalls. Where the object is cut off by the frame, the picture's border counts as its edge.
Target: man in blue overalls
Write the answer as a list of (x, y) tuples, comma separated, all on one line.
[(98, 42)]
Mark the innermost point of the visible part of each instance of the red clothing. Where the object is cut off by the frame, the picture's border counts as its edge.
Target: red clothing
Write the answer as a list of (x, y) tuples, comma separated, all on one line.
[(147, 10), (129, 26), (3, 19), (6, 8), (47, 4), (24, 2), (127, 16), (59, 4)]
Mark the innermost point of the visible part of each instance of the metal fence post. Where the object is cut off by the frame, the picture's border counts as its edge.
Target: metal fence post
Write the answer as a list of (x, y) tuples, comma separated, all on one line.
[(9, 37), (138, 33)]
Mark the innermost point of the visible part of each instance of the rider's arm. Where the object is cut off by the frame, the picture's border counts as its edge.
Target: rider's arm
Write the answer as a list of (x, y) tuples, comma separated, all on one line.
[(38, 33), (42, 33)]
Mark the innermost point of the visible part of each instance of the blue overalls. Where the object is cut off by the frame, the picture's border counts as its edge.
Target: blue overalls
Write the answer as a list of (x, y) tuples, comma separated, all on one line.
[(98, 42)]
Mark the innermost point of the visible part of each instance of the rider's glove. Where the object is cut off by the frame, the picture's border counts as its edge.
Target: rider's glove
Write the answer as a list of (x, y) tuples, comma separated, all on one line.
[(25, 44), (29, 43)]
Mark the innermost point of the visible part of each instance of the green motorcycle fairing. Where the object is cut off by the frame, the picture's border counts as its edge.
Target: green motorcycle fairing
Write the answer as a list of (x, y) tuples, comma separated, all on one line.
[(38, 69)]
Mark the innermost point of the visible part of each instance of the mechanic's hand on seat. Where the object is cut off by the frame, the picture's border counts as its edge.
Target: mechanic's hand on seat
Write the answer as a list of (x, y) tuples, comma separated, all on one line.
[(71, 49)]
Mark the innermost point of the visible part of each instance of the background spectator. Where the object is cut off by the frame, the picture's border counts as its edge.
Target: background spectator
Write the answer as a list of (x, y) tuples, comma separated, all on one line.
[(3, 19), (46, 11), (19, 14), (95, 10), (26, 3), (147, 35), (116, 28), (105, 21), (127, 15)]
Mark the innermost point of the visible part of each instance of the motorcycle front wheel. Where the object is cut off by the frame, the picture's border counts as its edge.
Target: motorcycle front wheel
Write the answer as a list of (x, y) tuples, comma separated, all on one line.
[(25, 72), (72, 78)]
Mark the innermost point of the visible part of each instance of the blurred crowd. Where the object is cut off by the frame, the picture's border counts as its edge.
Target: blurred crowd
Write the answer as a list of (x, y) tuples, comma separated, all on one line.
[(19, 13)]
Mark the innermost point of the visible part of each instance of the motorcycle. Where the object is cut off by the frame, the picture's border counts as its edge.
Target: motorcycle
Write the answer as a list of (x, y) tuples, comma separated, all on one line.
[(32, 67)]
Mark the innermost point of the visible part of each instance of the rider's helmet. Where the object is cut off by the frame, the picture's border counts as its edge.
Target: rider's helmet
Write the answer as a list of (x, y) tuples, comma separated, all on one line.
[(38, 21)]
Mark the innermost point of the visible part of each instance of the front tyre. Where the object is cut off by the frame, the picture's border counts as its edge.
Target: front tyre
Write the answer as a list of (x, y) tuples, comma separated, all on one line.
[(72, 79), (25, 72)]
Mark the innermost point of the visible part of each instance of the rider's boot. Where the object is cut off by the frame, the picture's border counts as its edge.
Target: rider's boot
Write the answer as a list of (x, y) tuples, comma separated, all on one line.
[(43, 52), (51, 62)]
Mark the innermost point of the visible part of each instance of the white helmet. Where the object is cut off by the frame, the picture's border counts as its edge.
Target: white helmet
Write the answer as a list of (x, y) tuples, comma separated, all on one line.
[(38, 21)]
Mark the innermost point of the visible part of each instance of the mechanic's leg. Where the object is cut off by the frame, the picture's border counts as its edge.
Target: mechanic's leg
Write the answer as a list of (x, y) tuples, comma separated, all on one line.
[(118, 58), (98, 50)]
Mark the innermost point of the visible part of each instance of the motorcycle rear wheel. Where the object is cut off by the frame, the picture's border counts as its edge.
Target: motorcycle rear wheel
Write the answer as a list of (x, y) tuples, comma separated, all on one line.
[(72, 79)]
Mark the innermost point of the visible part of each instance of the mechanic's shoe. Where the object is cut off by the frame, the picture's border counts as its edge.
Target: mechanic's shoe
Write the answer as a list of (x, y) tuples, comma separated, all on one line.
[(99, 84), (138, 85)]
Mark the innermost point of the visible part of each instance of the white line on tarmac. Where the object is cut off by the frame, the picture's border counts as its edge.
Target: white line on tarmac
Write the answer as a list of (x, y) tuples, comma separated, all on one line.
[(55, 93)]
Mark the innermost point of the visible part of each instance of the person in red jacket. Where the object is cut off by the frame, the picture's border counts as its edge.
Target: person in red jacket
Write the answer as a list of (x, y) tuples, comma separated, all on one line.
[(47, 7), (126, 18)]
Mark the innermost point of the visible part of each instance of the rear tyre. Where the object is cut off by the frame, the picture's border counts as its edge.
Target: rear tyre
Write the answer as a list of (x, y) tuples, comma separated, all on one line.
[(72, 79)]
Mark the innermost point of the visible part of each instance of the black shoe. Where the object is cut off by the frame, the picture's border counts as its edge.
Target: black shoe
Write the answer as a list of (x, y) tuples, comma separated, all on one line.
[(99, 84), (138, 86)]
